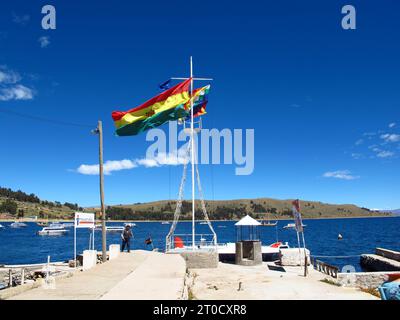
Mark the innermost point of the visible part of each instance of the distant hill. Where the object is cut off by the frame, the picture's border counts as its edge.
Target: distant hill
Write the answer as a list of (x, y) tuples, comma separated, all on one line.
[(394, 212), (18, 204), (15, 204), (261, 208)]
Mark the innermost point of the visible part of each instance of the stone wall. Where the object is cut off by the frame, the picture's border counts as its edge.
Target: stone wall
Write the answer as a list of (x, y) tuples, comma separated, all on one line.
[(248, 253), (292, 257), (363, 279), (200, 259)]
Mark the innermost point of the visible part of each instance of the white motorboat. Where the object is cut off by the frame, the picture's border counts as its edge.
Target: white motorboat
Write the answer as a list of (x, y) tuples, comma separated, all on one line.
[(111, 228), (292, 226), (1, 226), (63, 224), (68, 224), (131, 224), (165, 222), (17, 224), (53, 230)]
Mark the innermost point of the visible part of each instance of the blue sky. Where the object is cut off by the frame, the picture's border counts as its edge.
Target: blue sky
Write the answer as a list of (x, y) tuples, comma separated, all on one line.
[(323, 101)]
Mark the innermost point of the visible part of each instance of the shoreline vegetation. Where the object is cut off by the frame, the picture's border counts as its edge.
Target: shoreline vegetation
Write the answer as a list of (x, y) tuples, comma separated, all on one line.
[(16, 205), (186, 220)]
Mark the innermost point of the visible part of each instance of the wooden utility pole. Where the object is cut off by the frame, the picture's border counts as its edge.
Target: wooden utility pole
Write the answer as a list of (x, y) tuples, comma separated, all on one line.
[(103, 211)]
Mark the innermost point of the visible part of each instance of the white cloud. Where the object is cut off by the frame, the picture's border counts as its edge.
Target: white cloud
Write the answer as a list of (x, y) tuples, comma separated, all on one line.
[(16, 92), (356, 155), (44, 41), (359, 141), (385, 154), (21, 20), (10, 88), (391, 137), (162, 159), (108, 167), (392, 125), (8, 76), (340, 174)]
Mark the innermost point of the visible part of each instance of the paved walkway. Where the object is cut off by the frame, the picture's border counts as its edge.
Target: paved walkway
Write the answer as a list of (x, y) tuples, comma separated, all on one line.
[(259, 282), (138, 275)]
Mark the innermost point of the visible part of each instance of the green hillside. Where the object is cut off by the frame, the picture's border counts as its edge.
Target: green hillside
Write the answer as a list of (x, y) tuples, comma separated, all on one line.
[(18, 204), (261, 208)]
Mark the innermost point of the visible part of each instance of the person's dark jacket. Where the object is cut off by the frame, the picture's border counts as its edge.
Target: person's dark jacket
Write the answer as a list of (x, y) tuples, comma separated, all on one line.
[(127, 234)]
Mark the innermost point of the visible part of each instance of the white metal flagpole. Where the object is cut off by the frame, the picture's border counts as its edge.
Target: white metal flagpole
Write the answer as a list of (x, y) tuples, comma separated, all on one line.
[(193, 150)]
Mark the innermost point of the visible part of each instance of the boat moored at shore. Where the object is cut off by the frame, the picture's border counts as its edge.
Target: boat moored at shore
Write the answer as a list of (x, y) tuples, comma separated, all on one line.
[(114, 229), (53, 230), (292, 226), (17, 224)]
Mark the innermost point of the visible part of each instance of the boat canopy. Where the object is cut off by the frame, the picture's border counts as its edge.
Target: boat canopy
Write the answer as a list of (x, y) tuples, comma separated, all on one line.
[(247, 221)]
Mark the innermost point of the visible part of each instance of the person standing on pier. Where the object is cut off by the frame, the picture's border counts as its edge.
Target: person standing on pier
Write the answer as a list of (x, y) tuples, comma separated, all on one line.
[(126, 236)]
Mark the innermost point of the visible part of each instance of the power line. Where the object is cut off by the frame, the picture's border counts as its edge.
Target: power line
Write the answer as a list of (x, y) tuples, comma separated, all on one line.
[(52, 121)]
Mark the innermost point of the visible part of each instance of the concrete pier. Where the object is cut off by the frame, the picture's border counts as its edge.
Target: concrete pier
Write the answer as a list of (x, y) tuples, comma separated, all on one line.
[(382, 260), (136, 275), (267, 282)]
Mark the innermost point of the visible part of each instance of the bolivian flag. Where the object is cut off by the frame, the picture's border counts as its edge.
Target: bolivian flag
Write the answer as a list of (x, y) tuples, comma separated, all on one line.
[(167, 106)]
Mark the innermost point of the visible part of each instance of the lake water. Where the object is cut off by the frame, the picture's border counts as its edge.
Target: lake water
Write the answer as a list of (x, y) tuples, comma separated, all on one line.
[(22, 246)]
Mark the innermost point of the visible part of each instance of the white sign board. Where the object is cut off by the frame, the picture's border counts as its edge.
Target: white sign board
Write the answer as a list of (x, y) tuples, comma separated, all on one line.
[(84, 220)]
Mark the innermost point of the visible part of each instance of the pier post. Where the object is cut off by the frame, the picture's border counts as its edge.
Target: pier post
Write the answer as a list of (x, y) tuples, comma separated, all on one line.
[(10, 278), (103, 212)]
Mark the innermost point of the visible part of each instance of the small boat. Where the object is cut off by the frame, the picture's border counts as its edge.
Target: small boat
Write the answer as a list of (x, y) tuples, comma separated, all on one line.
[(17, 224), (292, 226), (43, 224), (1, 226), (268, 224), (203, 222), (111, 228), (66, 224), (165, 222), (131, 224), (53, 230), (340, 237)]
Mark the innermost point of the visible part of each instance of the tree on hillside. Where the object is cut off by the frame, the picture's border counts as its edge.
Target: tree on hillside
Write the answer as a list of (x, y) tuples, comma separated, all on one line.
[(9, 206), (21, 213)]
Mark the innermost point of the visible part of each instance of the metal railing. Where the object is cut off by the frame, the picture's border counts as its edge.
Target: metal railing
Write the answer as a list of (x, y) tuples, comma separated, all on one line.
[(324, 267), (202, 241)]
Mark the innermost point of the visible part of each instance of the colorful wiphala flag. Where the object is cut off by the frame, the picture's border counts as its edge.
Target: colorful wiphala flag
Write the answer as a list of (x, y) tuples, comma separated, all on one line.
[(200, 99), (167, 106)]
